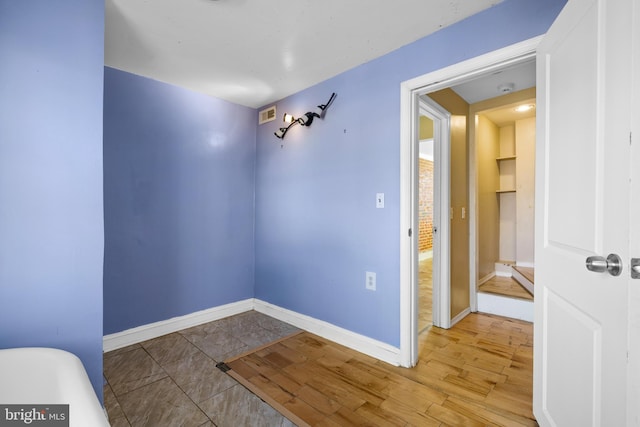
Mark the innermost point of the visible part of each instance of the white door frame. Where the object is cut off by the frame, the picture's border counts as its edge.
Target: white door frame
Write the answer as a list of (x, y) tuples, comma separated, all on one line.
[(441, 233), (410, 91)]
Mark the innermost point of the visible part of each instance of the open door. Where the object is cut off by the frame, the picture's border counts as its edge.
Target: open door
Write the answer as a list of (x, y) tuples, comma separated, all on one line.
[(583, 202)]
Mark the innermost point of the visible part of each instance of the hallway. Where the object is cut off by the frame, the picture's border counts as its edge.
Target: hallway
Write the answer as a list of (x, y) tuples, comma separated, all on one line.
[(425, 295)]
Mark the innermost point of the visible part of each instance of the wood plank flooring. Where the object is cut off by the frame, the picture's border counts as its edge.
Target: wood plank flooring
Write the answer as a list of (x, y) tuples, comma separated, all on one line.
[(506, 286), (425, 294), (477, 373)]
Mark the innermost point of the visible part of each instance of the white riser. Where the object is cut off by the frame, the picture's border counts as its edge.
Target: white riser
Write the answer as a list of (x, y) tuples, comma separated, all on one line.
[(505, 306)]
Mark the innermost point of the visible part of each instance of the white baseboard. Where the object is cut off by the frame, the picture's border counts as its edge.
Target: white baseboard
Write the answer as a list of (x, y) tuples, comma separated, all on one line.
[(460, 316), (425, 255), (525, 264), (504, 306), (486, 278), (360, 343), (157, 329), (503, 274), (503, 269), (523, 281)]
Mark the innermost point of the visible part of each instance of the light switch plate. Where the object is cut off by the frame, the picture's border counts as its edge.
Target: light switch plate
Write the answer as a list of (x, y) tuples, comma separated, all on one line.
[(379, 200)]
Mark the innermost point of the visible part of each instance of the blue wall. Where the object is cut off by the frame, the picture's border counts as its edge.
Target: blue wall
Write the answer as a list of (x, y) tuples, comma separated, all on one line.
[(179, 185), (179, 201), (317, 227), (51, 227)]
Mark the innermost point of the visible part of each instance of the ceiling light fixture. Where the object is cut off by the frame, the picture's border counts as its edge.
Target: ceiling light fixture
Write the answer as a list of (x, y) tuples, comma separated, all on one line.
[(524, 108), (288, 118), (306, 119)]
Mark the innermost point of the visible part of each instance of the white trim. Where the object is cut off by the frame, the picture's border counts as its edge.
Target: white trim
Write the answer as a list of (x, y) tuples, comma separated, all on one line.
[(441, 198), (357, 342), (471, 68), (525, 264), (503, 269), (524, 282), (360, 343), (425, 255), (408, 244), (503, 306), (411, 107), (409, 92), (486, 278), (153, 330), (426, 156), (460, 316)]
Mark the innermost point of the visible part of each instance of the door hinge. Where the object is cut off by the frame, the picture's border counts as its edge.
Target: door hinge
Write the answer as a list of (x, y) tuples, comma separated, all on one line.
[(409, 232)]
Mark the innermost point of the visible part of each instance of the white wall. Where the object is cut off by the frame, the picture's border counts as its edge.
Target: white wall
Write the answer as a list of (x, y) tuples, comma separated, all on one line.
[(508, 214), (525, 163)]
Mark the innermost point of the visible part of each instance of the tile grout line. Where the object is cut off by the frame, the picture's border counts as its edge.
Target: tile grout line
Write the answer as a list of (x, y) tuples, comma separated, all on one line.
[(248, 341), (173, 380)]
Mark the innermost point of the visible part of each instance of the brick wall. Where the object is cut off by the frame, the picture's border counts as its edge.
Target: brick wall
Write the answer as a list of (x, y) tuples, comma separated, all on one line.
[(425, 206)]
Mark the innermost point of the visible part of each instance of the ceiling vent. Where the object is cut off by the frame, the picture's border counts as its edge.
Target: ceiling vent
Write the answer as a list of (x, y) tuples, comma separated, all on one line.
[(267, 115)]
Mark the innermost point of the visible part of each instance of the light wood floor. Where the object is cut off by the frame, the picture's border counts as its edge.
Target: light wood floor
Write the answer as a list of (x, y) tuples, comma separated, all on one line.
[(506, 286), (477, 373), (425, 294)]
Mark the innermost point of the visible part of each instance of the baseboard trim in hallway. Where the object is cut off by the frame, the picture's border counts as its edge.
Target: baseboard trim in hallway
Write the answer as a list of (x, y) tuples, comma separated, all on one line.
[(460, 316)]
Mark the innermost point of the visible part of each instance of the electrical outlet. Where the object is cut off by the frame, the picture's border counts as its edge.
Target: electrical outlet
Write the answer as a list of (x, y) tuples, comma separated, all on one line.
[(370, 280)]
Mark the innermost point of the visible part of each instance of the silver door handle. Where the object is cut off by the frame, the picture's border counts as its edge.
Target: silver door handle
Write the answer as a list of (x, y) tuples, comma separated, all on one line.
[(598, 264), (635, 268)]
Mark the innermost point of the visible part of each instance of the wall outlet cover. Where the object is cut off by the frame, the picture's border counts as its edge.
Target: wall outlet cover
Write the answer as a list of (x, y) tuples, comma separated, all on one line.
[(370, 278)]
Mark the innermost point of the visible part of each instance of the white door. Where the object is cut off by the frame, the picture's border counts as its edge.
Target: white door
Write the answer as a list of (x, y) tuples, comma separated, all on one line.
[(633, 387), (582, 209)]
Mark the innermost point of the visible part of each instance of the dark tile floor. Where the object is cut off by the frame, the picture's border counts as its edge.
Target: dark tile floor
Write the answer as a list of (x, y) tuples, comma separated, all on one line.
[(173, 380)]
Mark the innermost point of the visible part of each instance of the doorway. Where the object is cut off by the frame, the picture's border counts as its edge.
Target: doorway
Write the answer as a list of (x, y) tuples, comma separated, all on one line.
[(426, 225), (411, 93), (503, 140)]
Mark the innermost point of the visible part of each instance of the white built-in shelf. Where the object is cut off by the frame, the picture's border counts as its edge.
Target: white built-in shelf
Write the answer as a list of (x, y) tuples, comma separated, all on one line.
[(503, 163)]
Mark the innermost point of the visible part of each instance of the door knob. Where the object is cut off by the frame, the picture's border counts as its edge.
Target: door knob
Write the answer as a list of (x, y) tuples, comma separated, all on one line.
[(598, 264), (635, 268)]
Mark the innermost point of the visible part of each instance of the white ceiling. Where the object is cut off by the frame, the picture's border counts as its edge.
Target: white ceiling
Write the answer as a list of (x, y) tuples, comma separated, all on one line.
[(254, 52), (517, 77)]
